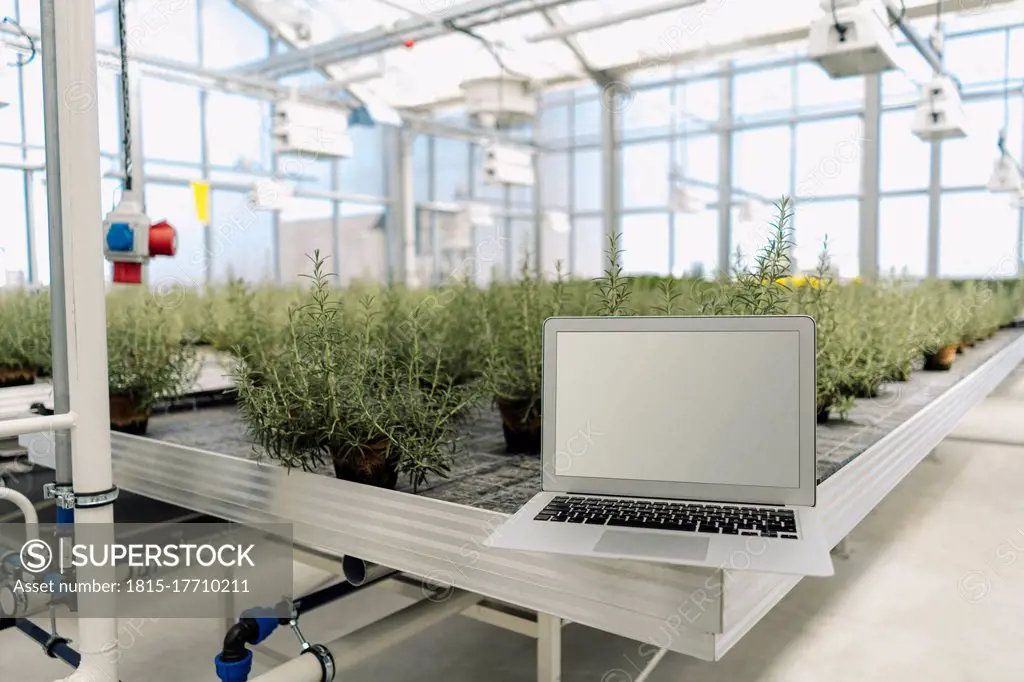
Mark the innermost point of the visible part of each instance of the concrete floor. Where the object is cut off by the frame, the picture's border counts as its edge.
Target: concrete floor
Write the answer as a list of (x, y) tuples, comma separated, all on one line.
[(933, 591)]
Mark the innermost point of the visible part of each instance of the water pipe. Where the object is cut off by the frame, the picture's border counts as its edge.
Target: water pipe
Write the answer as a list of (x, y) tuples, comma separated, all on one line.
[(320, 663), (69, 50), (27, 509), (234, 662)]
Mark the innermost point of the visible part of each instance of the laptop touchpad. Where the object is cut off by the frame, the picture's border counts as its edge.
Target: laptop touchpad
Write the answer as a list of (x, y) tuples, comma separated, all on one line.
[(682, 548)]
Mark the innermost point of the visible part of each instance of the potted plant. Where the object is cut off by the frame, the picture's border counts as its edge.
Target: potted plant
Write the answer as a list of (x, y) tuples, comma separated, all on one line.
[(335, 393), (146, 360), (513, 321), (24, 336), (452, 323), (832, 358), (946, 315)]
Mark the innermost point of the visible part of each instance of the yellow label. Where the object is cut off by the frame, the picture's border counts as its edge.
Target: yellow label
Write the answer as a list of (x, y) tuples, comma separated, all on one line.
[(201, 192)]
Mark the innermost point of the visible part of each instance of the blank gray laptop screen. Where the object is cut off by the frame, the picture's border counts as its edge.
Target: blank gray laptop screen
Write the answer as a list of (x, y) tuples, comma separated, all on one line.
[(682, 407)]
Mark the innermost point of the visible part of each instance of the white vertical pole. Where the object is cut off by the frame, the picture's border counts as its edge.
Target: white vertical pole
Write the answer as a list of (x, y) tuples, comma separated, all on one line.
[(405, 208), (74, 49), (549, 648), (870, 170)]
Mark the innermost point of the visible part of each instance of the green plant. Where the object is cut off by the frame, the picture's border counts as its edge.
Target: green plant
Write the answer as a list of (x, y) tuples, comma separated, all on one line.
[(146, 360), (614, 289), (513, 324), (453, 328), (757, 290), (945, 315), (24, 334), (252, 321), (334, 391), (832, 358)]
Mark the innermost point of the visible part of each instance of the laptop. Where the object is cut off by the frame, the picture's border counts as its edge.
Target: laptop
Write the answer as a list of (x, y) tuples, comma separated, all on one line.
[(680, 440)]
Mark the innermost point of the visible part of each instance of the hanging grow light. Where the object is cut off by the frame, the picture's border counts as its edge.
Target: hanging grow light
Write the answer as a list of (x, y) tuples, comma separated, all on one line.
[(684, 201), (939, 114), (1006, 174), (852, 39)]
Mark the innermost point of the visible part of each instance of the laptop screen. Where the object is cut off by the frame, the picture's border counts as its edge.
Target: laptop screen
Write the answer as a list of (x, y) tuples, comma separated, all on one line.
[(717, 407)]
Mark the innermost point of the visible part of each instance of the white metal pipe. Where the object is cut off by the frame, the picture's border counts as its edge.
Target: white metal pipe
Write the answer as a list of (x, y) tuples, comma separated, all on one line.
[(305, 668), (358, 572), (74, 47), (351, 649), (611, 20), (28, 510), (10, 428)]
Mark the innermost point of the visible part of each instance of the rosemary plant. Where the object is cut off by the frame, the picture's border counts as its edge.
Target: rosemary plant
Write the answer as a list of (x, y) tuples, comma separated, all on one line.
[(757, 290), (146, 360), (24, 336), (513, 322), (335, 392), (614, 289)]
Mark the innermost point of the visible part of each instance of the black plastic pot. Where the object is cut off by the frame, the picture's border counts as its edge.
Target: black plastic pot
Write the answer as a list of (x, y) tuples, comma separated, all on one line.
[(823, 415), (520, 422), (126, 416), (367, 464), (16, 376)]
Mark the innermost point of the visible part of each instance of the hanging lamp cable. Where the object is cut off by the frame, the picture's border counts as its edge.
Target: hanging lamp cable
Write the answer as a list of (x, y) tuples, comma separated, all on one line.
[(840, 28), (126, 118)]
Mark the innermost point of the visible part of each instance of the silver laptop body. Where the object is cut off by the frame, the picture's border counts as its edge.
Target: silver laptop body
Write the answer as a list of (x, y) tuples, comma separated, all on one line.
[(683, 440)]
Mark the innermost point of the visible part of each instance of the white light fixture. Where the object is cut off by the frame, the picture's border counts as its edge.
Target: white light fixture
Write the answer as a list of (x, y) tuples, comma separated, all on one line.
[(311, 130), (506, 165), (1017, 200), (557, 221), (939, 114), (270, 195), (852, 39), (684, 201), (500, 102), (1005, 174)]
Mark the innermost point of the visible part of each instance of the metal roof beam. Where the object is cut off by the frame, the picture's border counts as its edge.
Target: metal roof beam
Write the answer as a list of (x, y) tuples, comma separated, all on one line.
[(471, 14), (793, 35), (556, 22)]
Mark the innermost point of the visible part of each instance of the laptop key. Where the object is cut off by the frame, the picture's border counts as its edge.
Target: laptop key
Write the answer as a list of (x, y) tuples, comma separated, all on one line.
[(788, 536)]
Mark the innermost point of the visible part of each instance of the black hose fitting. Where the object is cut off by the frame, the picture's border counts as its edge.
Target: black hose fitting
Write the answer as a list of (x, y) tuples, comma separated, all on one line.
[(246, 631)]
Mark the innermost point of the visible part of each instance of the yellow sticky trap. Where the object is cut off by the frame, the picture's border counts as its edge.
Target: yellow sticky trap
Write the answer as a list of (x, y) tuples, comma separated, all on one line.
[(201, 192)]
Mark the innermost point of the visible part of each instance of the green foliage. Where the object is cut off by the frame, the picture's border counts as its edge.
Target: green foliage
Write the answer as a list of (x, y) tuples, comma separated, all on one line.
[(335, 387), (831, 356), (145, 357), (757, 290), (25, 330), (513, 323), (614, 289)]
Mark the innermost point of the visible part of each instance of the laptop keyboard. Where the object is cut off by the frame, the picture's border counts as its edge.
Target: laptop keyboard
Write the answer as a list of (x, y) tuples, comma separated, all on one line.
[(716, 519)]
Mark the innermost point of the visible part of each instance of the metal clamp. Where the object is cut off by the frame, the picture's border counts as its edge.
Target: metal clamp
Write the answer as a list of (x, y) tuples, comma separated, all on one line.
[(67, 498), (293, 623), (326, 658)]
